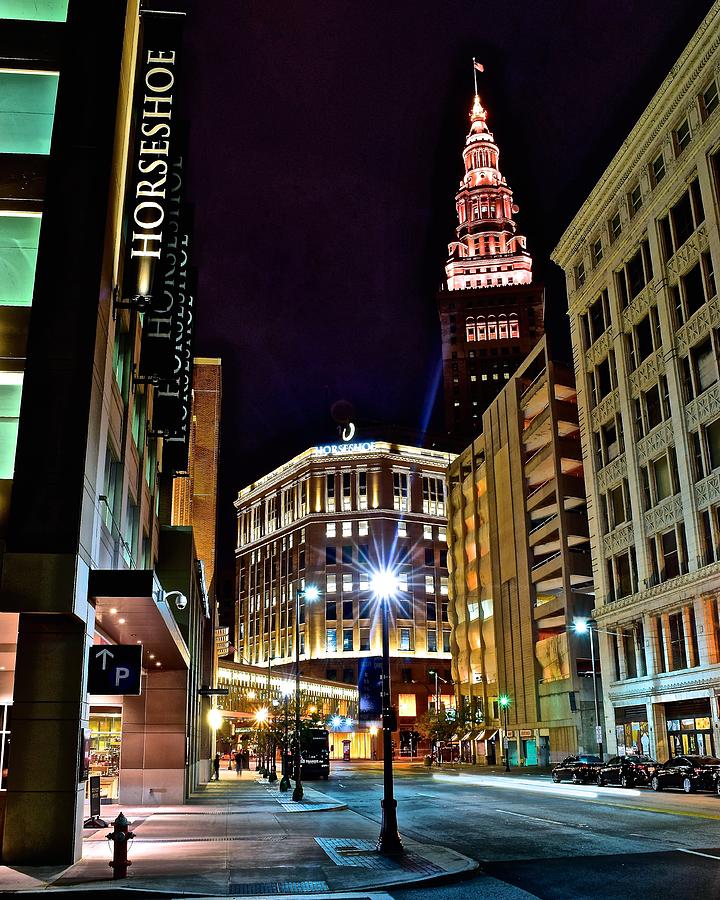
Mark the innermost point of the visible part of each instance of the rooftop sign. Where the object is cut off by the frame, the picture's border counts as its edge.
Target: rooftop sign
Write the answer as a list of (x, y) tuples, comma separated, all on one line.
[(344, 449)]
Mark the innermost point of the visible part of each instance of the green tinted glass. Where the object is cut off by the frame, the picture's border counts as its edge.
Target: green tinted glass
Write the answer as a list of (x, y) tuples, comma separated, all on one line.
[(9, 416), (19, 237), (34, 10), (27, 108)]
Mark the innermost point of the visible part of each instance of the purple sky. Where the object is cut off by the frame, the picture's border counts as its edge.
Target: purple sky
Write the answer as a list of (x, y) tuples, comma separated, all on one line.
[(326, 142)]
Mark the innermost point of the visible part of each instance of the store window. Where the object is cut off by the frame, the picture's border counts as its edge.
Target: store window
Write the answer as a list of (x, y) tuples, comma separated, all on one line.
[(105, 736), (27, 110), (690, 734), (19, 237), (34, 10), (407, 706)]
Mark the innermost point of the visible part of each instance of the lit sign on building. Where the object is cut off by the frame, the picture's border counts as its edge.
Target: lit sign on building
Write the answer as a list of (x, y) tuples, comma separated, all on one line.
[(344, 449)]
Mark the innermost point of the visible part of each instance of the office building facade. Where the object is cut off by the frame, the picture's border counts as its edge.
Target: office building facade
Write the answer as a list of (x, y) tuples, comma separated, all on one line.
[(331, 517), (640, 259), (520, 572)]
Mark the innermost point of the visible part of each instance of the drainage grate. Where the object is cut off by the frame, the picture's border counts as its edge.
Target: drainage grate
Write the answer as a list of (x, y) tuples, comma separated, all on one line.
[(278, 887), (363, 854)]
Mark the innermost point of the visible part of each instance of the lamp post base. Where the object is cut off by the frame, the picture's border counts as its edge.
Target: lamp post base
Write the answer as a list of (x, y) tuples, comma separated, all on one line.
[(298, 793), (389, 843), (285, 783), (272, 777)]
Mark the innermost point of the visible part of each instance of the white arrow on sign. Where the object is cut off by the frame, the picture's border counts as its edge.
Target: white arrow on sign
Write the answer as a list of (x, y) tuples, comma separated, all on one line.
[(104, 655)]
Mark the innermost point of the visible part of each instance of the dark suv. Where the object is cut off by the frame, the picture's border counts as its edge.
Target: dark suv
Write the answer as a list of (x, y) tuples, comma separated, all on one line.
[(578, 769), (691, 773), (627, 771)]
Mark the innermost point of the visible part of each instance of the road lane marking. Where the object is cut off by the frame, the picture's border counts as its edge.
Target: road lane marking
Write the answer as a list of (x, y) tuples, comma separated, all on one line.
[(507, 812), (655, 809), (697, 853)]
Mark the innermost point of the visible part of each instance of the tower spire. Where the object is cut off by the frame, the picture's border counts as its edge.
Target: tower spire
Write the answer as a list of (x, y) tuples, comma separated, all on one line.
[(487, 251)]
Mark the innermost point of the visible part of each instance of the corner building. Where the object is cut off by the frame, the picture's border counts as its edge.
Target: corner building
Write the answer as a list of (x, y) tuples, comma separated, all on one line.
[(520, 571), (330, 517), (491, 315), (641, 258)]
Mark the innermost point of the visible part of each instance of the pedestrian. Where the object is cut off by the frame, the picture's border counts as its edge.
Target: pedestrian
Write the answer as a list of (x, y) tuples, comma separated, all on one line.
[(216, 767), (238, 763)]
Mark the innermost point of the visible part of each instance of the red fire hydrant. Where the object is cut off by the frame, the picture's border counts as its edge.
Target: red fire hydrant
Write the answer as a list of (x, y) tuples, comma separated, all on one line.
[(120, 837)]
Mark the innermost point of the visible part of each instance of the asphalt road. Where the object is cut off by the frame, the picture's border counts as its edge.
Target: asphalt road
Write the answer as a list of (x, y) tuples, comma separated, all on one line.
[(536, 839)]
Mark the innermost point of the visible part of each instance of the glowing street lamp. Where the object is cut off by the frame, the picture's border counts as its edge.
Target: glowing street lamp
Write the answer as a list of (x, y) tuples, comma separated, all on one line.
[(215, 718), (385, 584), (504, 704), (310, 594)]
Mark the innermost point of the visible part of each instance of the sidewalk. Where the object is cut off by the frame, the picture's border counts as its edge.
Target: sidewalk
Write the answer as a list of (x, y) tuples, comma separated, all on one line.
[(242, 836)]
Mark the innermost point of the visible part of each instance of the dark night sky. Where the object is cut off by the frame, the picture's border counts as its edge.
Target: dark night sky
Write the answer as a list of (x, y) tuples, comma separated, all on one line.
[(326, 144)]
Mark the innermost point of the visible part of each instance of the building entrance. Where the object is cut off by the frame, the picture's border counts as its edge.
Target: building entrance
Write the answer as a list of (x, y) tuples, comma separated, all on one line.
[(689, 728), (105, 735)]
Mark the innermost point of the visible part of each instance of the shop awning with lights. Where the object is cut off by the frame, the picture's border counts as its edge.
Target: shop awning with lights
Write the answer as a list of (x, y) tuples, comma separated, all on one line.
[(130, 608)]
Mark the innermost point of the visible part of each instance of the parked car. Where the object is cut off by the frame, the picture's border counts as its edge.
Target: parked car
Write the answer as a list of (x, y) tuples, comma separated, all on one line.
[(627, 771), (691, 773), (578, 769)]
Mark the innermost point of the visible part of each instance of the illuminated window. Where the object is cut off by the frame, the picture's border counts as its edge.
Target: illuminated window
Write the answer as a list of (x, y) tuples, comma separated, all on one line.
[(405, 639), (429, 584), (347, 529), (400, 491), (442, 533), (19, 236), (470, 328), (34, 10), (427, 532), (346, 491), (402, 581), (514, 326), (443, 585), (348, 640), (362, 490), (402, 529), (363, 527), (331, 640), (433, 496), (347, 582), (27, 110), (481, 328), (330, 529), (10, 394), (407, 706), (432, 640), (330, 584), (502, 327), (492, 331)]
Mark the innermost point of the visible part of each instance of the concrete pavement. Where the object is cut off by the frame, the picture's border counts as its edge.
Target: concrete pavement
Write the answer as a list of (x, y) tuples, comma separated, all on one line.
[(241, 836)]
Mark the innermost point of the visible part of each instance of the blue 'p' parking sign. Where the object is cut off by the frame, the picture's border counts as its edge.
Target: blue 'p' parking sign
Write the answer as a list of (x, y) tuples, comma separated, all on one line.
[(115, 669)]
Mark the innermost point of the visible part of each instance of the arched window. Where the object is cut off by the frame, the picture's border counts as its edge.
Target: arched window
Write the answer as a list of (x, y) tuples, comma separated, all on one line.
[(481, 329), (502, 327), (514, 326), (492, 331), (470, 328)]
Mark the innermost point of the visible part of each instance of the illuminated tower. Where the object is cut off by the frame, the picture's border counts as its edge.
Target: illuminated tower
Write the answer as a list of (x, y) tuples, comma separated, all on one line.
[(491, 315)]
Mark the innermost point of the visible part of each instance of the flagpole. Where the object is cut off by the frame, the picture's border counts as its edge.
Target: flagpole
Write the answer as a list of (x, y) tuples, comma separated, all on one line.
[(475, 74)]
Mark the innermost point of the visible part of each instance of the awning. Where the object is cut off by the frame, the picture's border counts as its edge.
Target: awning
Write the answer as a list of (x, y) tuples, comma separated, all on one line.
[(466, 737), (453, 739), (130, 609)]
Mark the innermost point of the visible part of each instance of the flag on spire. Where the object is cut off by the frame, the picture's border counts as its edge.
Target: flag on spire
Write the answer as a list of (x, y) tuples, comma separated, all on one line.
[(479, 66)]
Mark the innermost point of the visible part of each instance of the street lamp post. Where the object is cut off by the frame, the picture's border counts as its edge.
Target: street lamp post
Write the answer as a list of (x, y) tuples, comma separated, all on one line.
[(504, 703), (585, 626), (272, 777), (385, 587), (285, 780), (309, 594)]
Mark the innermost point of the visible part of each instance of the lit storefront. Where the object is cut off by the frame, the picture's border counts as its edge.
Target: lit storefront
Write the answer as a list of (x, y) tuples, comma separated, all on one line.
[(689, 728)]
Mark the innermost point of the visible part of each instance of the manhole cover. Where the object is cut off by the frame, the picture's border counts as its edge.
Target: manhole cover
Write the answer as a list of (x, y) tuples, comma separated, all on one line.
[(278, 887)]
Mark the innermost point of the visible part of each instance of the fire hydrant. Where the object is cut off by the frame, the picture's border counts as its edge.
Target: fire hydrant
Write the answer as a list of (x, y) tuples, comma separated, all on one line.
[(120, 837)]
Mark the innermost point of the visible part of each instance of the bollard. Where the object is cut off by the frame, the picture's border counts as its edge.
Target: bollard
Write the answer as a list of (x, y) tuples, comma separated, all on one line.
[(120, 837)]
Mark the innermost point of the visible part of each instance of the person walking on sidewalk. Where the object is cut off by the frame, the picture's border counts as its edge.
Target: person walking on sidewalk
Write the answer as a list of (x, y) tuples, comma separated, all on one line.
[(238, 763), (216, 767)]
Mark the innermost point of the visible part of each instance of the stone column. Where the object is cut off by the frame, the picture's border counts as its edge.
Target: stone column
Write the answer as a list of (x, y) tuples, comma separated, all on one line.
[(650, 648), (715, 721), (706, 620), (667, 646), (44, 811), (152, 750), (690, 654)]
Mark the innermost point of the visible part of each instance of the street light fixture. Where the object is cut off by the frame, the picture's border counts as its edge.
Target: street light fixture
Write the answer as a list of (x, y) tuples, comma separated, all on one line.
[(309, 594), (504, 704), (385, 585)]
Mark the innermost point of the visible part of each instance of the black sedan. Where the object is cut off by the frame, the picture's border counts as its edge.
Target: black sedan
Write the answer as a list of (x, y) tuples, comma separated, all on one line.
[(627, 771), (691, 773), (578, 769)]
